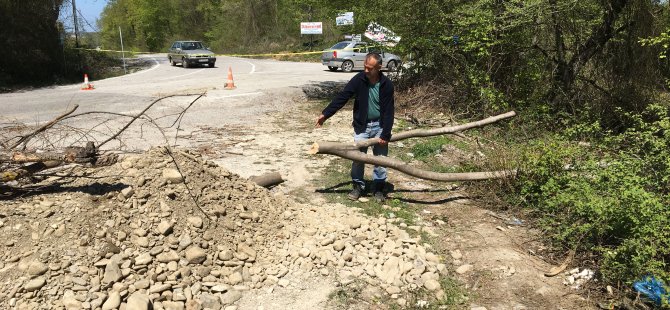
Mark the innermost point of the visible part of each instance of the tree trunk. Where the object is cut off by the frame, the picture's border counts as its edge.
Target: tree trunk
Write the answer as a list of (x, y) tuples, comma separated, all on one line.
[(72, 154), (411, 134), (268, 179), (350, 151), (568, 70), (415, 172), (11, 175)]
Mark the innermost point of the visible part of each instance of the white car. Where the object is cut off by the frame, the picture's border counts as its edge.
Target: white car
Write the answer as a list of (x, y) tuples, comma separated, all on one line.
[(350, 55), (190, 53)]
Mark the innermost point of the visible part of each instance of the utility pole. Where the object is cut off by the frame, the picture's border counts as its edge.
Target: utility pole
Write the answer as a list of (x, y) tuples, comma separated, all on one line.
[(76, 23), (311, 36), (123, 53)]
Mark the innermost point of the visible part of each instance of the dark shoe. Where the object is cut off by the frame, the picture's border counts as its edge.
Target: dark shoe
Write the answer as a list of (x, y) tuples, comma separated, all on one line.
[(379, 197), (356, 192), (379, 192)]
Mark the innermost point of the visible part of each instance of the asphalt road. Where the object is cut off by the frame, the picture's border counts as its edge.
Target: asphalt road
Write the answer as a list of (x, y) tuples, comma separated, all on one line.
[(257, 81)]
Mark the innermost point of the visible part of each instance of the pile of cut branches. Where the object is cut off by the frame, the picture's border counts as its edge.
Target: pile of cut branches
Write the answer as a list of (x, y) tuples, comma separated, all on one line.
[(25, 153)]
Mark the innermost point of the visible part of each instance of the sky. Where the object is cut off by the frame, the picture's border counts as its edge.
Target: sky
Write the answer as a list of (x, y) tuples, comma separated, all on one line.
[(89, 9)]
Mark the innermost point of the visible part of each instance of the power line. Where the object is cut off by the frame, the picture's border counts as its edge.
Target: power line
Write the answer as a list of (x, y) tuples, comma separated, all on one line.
[(85, 20), (66, 17), (76, 26)]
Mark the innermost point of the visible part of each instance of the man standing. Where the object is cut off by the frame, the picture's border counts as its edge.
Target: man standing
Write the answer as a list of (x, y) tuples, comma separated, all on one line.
[(373, 117)]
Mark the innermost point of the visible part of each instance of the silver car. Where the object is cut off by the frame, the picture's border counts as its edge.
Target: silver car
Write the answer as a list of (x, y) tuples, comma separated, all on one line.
[(190, 53), (350, 55)]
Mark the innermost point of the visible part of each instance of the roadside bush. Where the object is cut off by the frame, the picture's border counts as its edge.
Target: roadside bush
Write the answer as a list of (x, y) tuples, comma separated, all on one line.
[(98, 65), (608, 195)]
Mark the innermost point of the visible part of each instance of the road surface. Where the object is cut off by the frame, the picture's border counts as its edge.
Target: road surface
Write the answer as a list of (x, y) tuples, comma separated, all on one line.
[(259, 83)]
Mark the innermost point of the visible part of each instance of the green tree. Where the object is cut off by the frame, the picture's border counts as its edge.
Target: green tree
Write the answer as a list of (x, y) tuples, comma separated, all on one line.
[(145, 24), (31, 41), (558, 58)]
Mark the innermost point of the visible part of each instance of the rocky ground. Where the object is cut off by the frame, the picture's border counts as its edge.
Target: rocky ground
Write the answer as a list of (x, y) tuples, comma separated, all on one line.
[(186, 230), (140, 234)]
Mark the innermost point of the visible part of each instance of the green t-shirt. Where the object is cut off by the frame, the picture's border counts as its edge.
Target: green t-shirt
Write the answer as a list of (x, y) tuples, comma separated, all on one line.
[(373, 101)]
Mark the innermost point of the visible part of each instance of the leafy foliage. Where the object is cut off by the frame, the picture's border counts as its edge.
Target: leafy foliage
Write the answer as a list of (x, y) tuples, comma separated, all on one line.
[(31, 46), (227, 26), (611, 195)]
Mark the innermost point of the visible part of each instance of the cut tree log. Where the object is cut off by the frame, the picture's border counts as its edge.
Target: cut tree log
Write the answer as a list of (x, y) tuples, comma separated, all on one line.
[(15, 174), (43, 164), (351, 151), (73, 154), (417, 133), (415, 172), (268, 179), (46, 160)]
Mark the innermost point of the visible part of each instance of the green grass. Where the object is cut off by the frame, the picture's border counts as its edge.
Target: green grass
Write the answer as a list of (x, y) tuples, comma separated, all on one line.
[(424, 151), (338, 174), (344, 296), (429, 147), (455, 297), (454, 293)]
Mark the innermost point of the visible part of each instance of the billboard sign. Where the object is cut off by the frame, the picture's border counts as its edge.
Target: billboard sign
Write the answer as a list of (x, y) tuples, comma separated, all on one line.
[(311, 28), (346, 18), (381, 34), (353, 37)]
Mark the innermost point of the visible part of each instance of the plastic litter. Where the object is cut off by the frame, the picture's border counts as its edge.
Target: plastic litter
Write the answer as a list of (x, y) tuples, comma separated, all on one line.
[(652, 288), (514, 221)]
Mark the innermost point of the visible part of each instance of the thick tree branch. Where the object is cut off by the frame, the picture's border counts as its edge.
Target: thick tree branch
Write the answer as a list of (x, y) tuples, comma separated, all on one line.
[(411, 134), (600, 35), (350, 151), (15, 174), (415, 172)]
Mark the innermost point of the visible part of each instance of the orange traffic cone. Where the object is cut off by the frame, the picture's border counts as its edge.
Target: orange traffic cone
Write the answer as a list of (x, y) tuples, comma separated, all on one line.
[(87, 85), (229, 84)]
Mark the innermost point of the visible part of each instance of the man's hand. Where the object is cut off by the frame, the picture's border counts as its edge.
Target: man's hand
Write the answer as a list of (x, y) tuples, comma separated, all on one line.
[(320, 120), (383, 142)]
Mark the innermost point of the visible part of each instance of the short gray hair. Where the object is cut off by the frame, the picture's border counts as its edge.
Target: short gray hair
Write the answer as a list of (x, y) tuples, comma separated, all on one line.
[(376, 56)]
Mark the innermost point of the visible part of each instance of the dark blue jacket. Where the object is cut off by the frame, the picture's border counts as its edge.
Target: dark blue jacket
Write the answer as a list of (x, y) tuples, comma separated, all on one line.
[(358, 88)]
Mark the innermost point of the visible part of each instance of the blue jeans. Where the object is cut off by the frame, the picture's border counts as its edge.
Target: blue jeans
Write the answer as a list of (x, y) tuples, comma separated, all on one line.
[(358, 168)]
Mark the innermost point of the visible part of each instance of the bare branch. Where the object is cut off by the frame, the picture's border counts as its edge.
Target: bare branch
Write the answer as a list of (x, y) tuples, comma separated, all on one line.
[(23, 140), (181, 115), (140, 114), (16, 174)]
